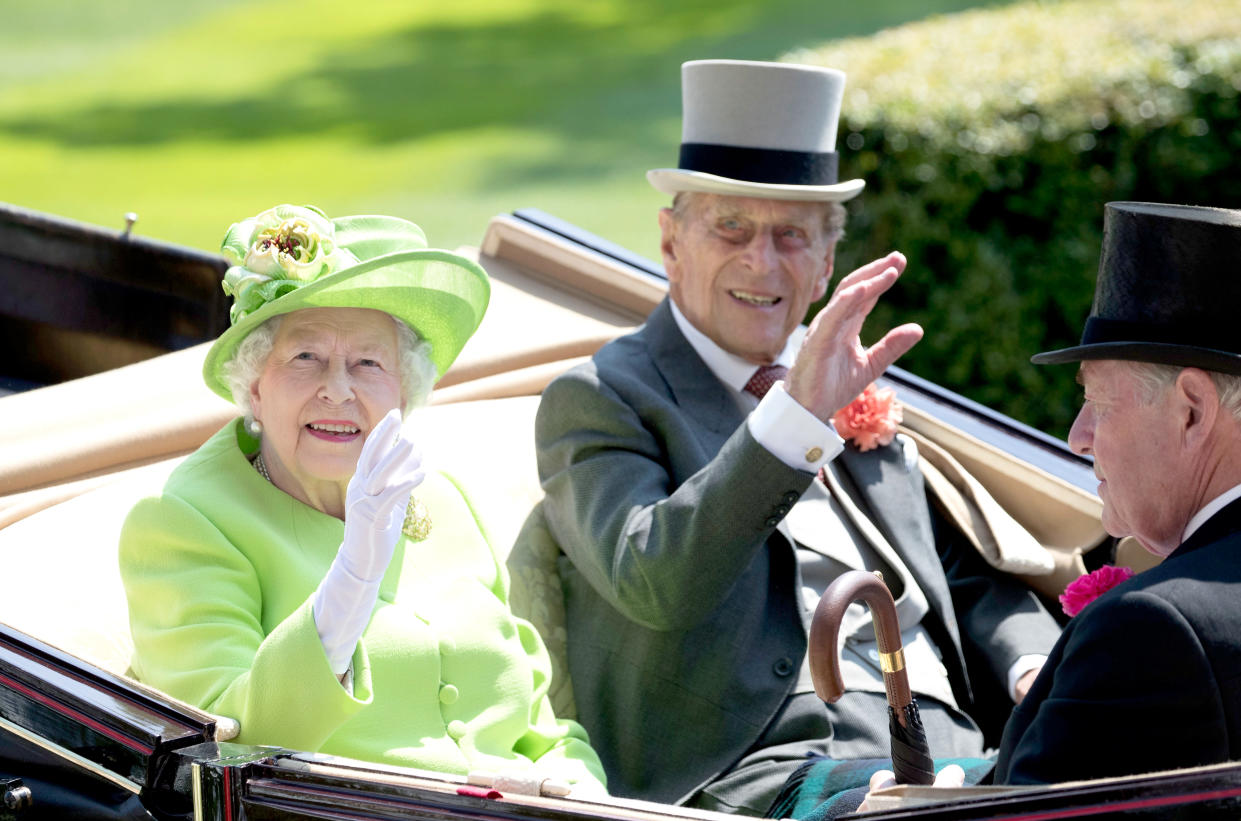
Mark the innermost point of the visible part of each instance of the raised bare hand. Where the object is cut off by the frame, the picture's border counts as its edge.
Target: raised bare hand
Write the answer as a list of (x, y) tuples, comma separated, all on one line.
[(833, 366)]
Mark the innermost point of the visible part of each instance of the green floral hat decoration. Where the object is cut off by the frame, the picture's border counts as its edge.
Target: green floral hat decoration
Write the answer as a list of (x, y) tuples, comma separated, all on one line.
[(290, 257)]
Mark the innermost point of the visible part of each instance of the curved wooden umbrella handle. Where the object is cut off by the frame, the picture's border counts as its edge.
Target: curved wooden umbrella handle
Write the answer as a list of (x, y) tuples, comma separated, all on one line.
[(825, 630)]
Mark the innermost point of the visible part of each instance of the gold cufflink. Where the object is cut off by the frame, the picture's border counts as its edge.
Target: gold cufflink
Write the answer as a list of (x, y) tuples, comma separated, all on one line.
[(814, 454)]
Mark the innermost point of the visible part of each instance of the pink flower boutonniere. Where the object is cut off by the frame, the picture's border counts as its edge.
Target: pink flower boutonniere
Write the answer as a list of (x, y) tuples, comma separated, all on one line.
[(1090, 586), (870, 420)]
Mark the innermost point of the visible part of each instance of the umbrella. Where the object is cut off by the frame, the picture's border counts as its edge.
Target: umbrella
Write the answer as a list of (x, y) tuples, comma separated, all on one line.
[(911, 758)]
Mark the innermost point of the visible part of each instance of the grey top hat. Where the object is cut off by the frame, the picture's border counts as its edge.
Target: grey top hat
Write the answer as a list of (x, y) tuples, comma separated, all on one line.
[(1168, 290), (755, 129)]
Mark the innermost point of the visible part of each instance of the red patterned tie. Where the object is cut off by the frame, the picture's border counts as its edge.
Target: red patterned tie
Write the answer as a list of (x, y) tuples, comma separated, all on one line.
[(764, 378)]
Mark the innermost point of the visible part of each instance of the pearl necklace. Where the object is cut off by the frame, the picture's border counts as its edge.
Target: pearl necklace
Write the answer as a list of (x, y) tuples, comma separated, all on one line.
[(261, 467)]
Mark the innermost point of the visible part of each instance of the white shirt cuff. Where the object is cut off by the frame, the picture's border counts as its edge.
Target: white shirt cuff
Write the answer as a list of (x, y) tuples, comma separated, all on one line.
[(793, 434), (1020, 667)]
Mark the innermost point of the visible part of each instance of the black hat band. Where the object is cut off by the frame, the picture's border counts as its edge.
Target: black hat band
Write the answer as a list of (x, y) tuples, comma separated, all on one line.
[(771, 166), (1099, 330)]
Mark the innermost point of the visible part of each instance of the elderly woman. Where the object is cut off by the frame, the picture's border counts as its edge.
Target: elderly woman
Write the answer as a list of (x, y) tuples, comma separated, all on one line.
[(286, 577)]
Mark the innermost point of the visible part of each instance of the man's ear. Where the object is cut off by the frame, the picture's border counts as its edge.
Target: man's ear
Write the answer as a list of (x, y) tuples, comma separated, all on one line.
[(668, 224), (1198, 404), (820, 287)]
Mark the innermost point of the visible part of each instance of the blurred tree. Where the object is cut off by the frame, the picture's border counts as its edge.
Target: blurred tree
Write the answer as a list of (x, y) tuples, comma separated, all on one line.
[(990, 140)]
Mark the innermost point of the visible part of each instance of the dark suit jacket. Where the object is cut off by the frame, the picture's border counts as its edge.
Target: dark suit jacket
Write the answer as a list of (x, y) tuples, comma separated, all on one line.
[(685, 628), (1147, 677)]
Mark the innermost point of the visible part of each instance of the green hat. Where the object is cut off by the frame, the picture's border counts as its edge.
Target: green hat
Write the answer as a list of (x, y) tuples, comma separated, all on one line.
[(289, 258)]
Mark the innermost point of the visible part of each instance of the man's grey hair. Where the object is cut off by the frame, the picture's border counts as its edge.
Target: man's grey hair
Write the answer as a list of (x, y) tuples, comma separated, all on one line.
[(415, 368), (834, 214), (1154, 379)]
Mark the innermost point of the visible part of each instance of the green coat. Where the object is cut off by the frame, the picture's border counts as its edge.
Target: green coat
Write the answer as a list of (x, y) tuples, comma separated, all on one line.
[(219, 571)]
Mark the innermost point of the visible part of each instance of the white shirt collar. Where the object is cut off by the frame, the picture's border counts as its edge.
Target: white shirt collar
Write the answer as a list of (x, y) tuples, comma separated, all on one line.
[(727, 367), (1212, 507)]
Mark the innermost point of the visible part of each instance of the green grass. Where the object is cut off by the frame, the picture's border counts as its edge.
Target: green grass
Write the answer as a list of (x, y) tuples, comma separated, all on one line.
[(201, 112)]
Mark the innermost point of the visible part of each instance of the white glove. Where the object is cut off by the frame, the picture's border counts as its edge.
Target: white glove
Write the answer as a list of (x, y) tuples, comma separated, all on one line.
[(388, 470)]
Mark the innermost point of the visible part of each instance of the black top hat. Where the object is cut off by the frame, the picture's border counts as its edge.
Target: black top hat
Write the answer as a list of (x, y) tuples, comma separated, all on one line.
[(1168, 290)]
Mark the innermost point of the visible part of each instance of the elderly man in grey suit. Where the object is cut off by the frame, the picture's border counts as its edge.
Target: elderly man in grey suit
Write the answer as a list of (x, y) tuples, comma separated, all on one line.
[(703, 502)]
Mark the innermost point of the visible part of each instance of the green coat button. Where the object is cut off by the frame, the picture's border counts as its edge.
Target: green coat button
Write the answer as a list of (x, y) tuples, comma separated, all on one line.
[(449, 694), (456, 729)]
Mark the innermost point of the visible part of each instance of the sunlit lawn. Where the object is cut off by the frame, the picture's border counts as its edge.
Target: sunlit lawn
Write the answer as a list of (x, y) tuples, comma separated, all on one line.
[(200, 112)]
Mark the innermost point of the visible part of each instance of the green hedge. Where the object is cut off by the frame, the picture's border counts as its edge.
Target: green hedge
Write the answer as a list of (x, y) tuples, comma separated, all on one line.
[(990, 141)]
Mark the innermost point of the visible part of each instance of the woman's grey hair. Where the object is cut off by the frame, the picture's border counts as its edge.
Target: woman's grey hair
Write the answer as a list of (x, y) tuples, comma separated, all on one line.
[(834, 213), (416, 370), (1153, 379)]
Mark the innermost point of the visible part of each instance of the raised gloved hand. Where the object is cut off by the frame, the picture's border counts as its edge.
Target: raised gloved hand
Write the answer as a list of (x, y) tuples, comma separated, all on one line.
[(389, 468)]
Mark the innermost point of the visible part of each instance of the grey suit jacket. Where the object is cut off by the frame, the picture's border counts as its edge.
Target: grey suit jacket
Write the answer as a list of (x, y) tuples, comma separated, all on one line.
[(685, 628)]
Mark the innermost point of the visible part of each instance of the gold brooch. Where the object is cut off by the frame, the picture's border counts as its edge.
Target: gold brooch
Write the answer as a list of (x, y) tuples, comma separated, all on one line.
[(417, 525)]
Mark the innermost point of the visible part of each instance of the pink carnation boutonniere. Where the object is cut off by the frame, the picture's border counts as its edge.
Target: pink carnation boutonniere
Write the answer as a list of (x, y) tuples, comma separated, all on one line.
[(1090, 586), (870, 420)]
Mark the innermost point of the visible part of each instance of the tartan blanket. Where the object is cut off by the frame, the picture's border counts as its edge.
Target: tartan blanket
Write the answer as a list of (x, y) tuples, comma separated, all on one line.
[(827, 788)]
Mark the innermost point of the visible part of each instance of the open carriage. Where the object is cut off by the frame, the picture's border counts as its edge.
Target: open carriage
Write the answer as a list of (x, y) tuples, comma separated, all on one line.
[(94, 413)]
